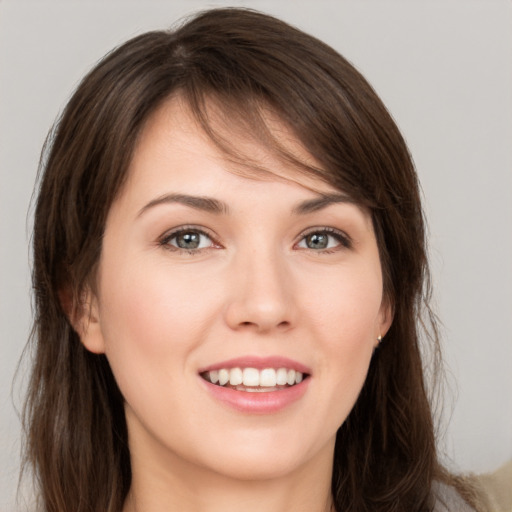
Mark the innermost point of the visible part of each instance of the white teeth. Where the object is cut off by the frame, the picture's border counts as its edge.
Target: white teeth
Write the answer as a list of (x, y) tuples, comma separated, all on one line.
[(254, 378), (223, 377), (251, 377), (235, 376), (268, 377), (281, 376)]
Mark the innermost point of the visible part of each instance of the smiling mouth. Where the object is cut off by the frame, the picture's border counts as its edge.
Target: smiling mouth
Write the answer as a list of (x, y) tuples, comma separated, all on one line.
[(254, 380)]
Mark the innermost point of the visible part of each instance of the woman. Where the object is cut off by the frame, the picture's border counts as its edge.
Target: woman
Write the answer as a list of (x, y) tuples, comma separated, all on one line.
[(230, 271)]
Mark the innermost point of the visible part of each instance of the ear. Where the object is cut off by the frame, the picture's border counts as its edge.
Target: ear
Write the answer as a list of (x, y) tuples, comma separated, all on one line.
[(83, 315), (385, 320)]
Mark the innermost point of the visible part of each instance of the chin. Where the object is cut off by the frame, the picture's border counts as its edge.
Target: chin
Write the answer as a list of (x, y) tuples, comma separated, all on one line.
[(260, 468), (268, 459)]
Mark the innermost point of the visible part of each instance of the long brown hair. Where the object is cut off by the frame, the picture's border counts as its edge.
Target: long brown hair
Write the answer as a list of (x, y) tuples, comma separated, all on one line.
[(244, 62)]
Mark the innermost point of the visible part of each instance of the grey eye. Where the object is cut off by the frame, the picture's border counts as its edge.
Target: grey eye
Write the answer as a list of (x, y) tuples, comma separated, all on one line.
[(317, 241), (189, 240), (324, 239)]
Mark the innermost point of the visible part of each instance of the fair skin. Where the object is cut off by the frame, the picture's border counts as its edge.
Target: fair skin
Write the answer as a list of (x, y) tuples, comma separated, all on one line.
[(265, 271)]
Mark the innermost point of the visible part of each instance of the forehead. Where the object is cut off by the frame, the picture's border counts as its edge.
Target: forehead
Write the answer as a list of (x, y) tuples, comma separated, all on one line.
[(262, 148)]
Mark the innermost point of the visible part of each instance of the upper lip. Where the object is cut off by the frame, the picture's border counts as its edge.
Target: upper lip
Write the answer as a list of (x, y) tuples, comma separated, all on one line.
[(259, 363)]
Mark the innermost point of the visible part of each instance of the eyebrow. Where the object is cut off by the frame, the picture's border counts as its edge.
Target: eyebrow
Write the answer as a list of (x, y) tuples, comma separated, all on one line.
[(319, 203), (207, 204), (211, 205)]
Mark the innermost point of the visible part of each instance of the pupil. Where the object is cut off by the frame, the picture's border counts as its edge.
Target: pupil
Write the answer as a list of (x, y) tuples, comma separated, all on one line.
[(317, 241), (188, 240)]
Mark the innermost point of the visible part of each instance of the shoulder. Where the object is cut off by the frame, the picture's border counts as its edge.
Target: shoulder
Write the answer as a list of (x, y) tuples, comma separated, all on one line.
[(447, 499)]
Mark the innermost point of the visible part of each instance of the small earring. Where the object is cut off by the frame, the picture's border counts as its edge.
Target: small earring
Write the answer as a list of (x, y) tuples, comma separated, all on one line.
[(379, 340)]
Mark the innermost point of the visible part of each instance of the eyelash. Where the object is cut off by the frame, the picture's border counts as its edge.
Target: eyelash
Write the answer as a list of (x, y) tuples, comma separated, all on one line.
[(342, 238)]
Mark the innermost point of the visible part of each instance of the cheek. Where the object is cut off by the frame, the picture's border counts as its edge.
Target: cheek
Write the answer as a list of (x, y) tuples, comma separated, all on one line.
[(149, 300), (348, 309), (346, 326), (150, 319)]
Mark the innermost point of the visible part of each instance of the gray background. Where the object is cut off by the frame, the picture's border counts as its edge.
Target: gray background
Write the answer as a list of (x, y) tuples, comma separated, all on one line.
[(444, 69)]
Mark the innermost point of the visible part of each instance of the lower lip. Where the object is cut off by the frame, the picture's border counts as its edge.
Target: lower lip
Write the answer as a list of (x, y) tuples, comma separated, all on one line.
[(259, 402)]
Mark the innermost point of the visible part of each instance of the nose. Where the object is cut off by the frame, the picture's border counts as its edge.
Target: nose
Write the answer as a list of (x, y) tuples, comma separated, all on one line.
[(261, 297)]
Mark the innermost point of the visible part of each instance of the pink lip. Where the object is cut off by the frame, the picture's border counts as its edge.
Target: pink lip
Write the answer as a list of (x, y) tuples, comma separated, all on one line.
[(259, 363), (257, 403)]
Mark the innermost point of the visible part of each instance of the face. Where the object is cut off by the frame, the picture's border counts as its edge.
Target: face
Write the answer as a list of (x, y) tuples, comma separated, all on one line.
[(205, 275)]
